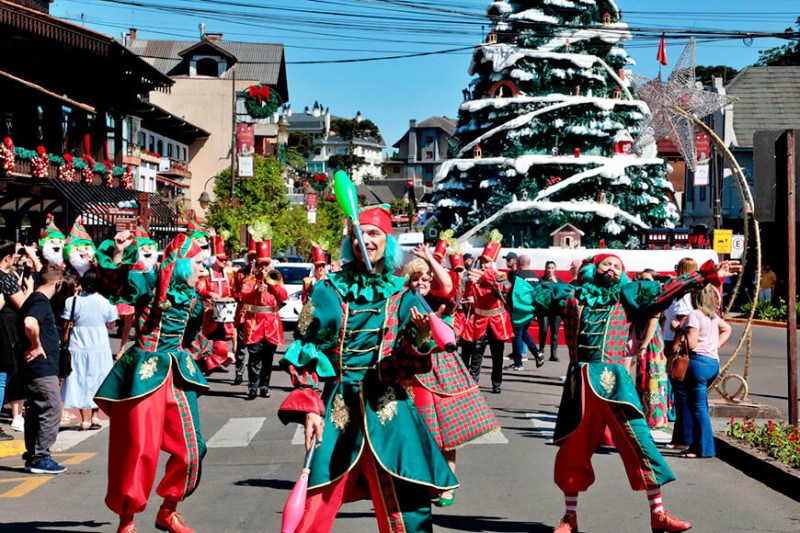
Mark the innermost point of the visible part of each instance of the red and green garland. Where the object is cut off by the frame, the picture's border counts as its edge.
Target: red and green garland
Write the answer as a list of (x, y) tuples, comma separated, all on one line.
[(40, 164), (7, 156), (260, 101), (126, 178), (107, 173), (66, 171)]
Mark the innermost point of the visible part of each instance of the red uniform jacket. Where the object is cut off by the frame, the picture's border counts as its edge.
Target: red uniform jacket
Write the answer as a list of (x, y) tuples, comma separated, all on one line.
[(259, 325), (489, 295), (221, 284)]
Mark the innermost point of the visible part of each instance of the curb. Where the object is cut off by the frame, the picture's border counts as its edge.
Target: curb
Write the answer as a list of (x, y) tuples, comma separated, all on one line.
[(765, 323), (779, 477)]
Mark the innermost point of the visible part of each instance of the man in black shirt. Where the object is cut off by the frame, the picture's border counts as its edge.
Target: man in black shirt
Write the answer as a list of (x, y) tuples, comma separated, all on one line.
[(40, 344), (523, 274)]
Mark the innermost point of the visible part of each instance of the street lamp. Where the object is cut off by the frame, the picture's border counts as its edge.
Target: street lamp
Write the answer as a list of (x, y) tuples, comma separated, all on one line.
[(204, 200)]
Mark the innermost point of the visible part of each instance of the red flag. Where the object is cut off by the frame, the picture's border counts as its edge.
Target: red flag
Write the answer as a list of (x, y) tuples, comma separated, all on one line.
[(662, 51)]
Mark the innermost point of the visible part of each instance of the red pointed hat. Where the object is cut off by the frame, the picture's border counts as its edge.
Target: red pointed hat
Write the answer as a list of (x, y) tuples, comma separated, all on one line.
[(218, 244), (492, 249), (263, 251), (318, 256), (379, 216), (597, 259), (195, 225)]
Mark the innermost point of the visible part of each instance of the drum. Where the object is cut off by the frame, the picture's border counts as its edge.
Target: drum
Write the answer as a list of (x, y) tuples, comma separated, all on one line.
[(224, 310)]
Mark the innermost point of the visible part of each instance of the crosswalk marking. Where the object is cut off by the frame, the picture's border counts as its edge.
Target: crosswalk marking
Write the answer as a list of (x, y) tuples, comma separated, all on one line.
[(23, 485), (237, 432), (545, 423), (497, 437)]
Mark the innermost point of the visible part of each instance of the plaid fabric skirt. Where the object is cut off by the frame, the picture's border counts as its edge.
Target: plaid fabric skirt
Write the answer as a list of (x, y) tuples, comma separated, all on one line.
[(451, 403)]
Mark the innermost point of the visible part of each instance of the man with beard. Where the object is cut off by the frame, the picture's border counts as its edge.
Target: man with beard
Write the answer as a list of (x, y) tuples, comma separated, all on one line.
[(126, 265), (598, 391), (361, 336), (51, 244), (79, 250)]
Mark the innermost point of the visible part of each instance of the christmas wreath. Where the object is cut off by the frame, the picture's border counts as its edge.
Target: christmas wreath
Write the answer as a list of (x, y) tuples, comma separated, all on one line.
[(319, 182), (260, 101)]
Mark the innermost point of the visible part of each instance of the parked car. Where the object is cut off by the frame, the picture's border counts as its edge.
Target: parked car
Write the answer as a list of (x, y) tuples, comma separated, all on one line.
[(293, 274), (289, 259)]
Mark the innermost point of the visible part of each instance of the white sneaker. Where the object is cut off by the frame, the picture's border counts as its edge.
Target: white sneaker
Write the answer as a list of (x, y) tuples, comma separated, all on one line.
[(18, 424)]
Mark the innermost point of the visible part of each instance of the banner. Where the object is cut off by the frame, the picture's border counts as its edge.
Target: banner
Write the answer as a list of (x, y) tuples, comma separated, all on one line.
[(245, 148), (246, 166), (701, 175)]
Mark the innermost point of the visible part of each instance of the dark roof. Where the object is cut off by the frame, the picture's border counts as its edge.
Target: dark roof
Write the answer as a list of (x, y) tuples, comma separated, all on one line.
[(448, 125), (159, 120), (769, 99), (384, 191), (205, 43), (263, 62)]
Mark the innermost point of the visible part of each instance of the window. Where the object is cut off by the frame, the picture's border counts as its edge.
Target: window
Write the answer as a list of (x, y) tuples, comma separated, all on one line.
[(151, 145), (184, 154), (169, 149), (160, 147), (428, 140), (428, 155), (207, 67), (341, 151), (703, 194)]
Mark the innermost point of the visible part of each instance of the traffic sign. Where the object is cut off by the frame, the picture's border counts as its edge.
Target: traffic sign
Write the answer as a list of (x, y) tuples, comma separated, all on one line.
[(722, 240), (737, 247)]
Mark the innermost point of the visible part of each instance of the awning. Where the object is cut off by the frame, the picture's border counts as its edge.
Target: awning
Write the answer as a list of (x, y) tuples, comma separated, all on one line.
[(97, 199), (63, 99), (174, 183)]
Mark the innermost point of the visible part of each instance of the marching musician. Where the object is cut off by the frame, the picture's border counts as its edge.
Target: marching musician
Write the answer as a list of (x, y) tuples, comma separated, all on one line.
[(320, 271), (262, 294), (217, 286)]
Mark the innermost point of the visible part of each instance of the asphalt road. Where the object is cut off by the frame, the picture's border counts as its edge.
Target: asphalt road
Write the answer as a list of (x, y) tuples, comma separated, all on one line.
[(506, 482)]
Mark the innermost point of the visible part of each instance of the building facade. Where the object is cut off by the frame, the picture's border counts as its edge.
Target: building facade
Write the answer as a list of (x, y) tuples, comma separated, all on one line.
[(421, 151)]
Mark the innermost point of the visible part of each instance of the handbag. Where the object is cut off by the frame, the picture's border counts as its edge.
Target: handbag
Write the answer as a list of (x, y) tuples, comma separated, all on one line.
[(64, 355), (678, 362)]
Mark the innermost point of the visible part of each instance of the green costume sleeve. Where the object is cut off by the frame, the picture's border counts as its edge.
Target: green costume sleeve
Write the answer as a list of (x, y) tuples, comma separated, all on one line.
[(547, 298), (105, 255), (651, 298)]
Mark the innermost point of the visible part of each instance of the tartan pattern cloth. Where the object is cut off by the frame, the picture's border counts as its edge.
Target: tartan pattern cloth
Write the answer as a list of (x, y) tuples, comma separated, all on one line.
[(192, 452)]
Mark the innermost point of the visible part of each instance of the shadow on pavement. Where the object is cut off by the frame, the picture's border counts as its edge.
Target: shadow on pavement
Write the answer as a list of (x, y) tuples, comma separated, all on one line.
[(27, 527), (489, 523), (280, 484)]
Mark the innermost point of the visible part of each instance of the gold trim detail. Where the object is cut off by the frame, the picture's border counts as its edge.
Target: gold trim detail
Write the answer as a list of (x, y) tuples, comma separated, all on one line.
[(304, 320), (190, 364), (608, 380), (340, 413), (387, 406), (148, 368)]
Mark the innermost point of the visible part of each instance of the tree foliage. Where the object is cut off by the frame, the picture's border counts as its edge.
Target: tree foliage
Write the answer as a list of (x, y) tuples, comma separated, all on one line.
[(787, 55), (705, 74), (263, 197), (301, 146), (351, 129)]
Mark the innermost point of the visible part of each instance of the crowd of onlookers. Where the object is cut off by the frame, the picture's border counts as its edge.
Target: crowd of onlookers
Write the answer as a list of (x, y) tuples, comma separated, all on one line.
[(54, 349)]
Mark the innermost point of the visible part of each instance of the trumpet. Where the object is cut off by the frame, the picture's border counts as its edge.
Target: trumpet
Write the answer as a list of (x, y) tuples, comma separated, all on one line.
[(273, 277)]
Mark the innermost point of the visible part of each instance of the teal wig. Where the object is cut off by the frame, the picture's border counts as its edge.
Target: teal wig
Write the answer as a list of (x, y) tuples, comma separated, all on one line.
[(392, 257)]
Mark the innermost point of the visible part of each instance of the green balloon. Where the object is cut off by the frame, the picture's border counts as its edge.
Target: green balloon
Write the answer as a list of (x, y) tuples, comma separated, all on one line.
[(346, 194)]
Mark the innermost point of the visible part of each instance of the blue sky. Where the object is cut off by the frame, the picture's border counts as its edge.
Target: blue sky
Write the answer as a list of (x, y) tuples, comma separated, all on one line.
[(392, 92)]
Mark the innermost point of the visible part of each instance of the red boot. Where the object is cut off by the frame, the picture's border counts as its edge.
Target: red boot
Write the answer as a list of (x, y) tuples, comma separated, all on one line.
[(664, 522), (567, 524), (169, 520), (129, 528)]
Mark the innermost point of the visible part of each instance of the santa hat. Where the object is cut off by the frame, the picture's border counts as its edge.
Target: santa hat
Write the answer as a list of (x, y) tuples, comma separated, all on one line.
[(181, 247), (78, 236), (441, 247), (50, 232), (218, 246), (141, 236), (599, 258), (263, 251), (318, 254), (492, 249), (379, 216)]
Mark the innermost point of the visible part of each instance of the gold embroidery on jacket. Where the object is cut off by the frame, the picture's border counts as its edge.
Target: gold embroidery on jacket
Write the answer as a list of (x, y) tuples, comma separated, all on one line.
[(190, 365), (340, 413), (304, 320), (387, 406), (148, 368), (607, 380)]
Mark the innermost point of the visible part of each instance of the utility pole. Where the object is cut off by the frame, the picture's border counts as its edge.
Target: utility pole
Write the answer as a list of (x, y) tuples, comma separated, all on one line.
[(791, 322), (233, 133), (716, 158)]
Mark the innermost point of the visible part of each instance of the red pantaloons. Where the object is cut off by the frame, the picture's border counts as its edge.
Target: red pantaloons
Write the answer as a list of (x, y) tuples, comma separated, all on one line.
[(573, 465), (140, 429), (323, 503)]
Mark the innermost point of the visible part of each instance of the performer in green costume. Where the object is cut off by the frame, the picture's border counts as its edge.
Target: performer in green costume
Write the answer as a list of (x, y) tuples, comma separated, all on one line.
[(599, 392), (362, 335)]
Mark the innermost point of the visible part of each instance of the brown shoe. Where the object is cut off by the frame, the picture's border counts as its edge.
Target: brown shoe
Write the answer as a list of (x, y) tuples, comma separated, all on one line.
[(664, 522), (567, 524), (172, 522)]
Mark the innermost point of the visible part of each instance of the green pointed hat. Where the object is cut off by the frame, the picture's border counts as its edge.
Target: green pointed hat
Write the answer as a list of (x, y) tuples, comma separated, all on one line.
[(50, 232), (78, 236)]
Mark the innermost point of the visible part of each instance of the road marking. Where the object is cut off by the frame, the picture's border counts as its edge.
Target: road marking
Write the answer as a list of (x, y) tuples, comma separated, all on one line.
[(237, 432), (11, 448), (23, 485), (74, 458), (299, 437)]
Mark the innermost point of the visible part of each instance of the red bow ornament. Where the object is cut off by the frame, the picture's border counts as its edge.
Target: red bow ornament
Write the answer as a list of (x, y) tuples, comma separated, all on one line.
[(260, 93)]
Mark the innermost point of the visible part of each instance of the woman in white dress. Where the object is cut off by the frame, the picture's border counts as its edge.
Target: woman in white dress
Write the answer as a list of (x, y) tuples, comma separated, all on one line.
[(91, 350)]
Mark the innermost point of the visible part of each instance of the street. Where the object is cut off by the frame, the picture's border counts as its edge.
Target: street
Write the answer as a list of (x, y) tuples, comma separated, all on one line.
[(506, 479)]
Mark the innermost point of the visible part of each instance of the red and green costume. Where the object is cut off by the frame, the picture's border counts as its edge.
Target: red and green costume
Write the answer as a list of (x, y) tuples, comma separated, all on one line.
[(598, 391), (151, 395), (357, 348)]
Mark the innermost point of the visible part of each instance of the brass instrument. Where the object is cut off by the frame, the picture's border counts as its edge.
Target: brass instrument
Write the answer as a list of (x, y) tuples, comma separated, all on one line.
[(273, 277)]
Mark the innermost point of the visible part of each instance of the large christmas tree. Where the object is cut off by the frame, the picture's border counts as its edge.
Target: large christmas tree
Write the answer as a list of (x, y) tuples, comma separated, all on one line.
[(546, 130)]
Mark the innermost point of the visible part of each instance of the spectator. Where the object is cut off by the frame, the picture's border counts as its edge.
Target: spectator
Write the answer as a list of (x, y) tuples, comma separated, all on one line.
[(522, 273), (674, 316), (551, 322), (6, 367), (40, 346), (468, 261), (705, 332), (91, 316), (768, 282), (15, 288), (574, 268), (512, 261)]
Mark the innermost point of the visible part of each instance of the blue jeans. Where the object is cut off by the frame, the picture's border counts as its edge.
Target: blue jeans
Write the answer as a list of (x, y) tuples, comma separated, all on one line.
[(522, 338), (701, 373), (3, 378)]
